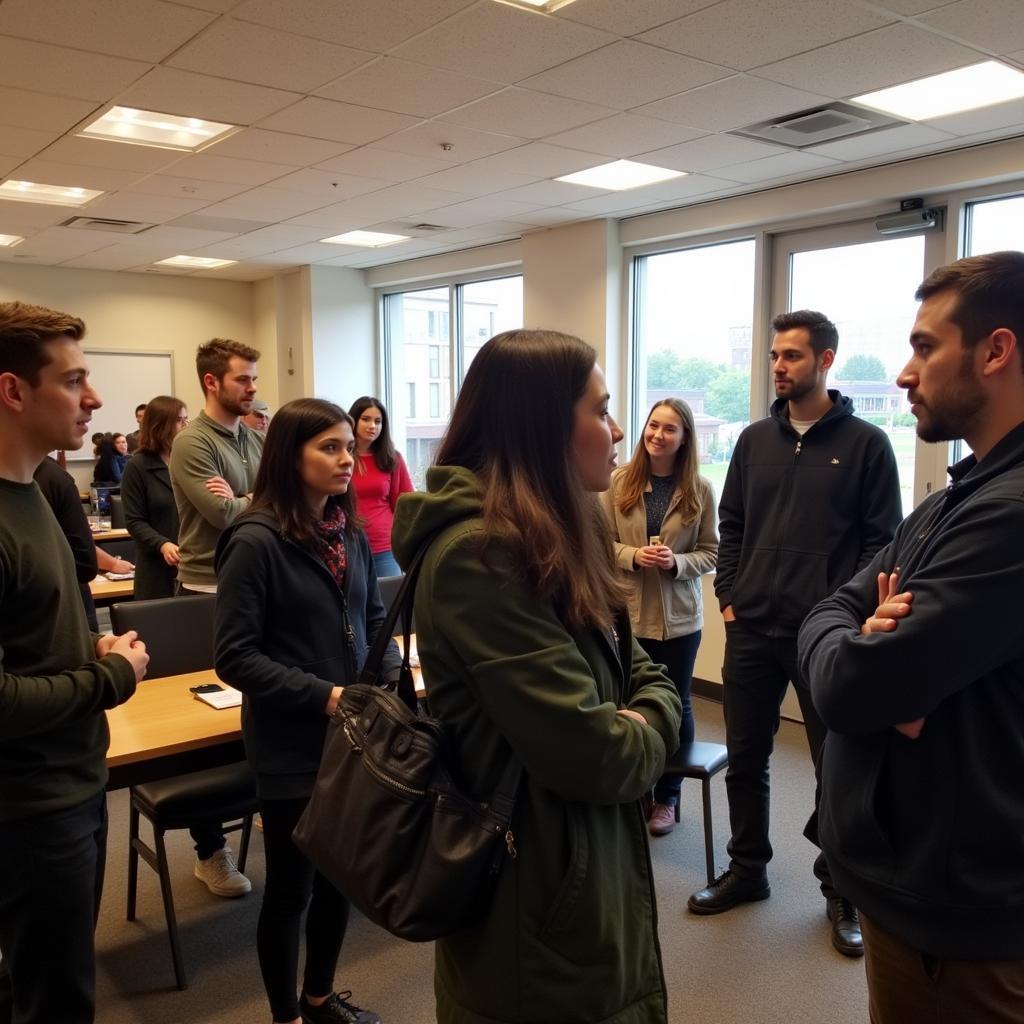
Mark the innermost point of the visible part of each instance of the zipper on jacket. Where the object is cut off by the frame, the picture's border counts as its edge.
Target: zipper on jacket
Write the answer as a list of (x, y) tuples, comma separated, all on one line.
[(798, 446)]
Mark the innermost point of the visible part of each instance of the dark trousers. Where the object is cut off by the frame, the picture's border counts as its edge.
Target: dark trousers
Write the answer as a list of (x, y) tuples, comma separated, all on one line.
[(678, 656), (51, 879), (906, 986), (292, 884), (756, 672)]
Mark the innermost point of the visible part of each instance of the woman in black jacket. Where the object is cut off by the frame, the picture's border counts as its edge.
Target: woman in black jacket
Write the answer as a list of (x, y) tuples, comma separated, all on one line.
[(148, 501), (297, 608), (112, 452)]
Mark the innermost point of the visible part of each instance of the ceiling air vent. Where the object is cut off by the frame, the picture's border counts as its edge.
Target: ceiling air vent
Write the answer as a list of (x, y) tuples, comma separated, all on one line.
[(813, 127), (118, 227)]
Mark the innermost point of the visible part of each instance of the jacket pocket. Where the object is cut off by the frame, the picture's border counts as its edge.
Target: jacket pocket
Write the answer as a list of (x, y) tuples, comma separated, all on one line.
[(567, 895), (684, 603)]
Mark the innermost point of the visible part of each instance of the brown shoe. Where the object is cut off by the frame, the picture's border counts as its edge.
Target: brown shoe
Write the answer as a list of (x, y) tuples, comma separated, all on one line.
[(663, 820)]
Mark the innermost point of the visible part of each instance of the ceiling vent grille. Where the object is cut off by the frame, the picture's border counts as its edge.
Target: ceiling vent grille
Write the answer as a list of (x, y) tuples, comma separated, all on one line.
[(118, 227), (813, 127)]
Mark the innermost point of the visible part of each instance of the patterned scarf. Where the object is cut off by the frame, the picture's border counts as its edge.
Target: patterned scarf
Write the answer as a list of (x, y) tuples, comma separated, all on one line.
[(330, 542)]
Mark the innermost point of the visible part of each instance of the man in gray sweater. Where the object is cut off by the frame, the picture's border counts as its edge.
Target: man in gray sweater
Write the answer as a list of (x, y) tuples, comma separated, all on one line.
[(213, 467), (56, 681)]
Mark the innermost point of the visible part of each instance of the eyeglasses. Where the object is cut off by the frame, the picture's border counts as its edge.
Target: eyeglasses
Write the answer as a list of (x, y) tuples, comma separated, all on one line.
[(183, 419)]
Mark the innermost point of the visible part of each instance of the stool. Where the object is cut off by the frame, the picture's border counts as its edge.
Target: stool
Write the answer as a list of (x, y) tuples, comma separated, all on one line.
[(220, 795), (703, 761)]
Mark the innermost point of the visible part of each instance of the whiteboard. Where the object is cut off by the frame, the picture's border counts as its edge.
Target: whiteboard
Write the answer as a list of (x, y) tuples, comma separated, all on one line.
[(123, 380)]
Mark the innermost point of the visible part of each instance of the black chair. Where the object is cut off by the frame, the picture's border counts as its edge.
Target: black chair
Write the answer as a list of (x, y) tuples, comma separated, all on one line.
[(178, 633), (116, 512), (120, 547), (704, 761), (389, 586)]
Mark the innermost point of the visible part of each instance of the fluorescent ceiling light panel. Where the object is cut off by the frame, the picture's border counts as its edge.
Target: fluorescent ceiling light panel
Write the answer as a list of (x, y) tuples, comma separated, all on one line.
[(367, 239), (195, 262), (547, 6), (980, 85), (54, 195), (10, 240), (620, 175), (149, 128)]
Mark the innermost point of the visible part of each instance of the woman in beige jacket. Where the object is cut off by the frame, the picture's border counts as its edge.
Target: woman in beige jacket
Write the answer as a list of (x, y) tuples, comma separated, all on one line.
[(662, 514)]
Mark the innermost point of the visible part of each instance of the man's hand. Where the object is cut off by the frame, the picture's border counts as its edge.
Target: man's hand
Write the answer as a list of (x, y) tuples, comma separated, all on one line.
[(728, 615), (332, 701), (219, 486), (630, 713), (104, 644), (133, 650), (891, 606), (169, 550)]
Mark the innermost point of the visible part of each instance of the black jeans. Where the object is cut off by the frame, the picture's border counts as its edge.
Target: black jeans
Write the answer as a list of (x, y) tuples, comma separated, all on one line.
[(291, 881), (756, 672), (51, 879), (678, 656)]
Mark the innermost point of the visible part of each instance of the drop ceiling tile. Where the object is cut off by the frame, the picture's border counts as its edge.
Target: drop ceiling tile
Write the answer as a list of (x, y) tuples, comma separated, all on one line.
[(552, 215), (49, 172), (626, 74), (261, 241), (529, 43), (478, 211), (57, 243), (628, 19), (188, 188), (888, 140), (369, 162), (278, 148), (996, 25), (342, 122), (62, 72), (208, 167), (30, 218), (313, 252), (551, 193), (530, 115), (251, 53), (266, 204), (247, 271), (217, 6), (742, 34), (666, 192), (118, 257), (330, 186), (911, 7), (172, 91), (367, 24), (152, 209), (783, 165), (405, 88), (624, 135), (471, 180), (184, 240), (540, 160), (732, 103), (466, 143), (23, 109), (119, 155), (985, 119), (390, 203), (23, 142), (1017, 58), (875, 60), (708, 152), (7, 164), (143, 29)]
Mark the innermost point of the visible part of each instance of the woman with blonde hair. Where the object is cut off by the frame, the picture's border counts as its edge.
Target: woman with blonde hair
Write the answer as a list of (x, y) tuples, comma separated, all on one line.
[(527, 655), (662, 514)]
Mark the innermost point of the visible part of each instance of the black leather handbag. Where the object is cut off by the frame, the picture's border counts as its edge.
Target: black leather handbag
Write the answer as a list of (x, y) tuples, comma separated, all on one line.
[(386, 823)]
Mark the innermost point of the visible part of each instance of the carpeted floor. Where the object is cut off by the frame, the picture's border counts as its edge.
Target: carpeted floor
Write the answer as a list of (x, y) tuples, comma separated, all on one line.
[(764, 963)]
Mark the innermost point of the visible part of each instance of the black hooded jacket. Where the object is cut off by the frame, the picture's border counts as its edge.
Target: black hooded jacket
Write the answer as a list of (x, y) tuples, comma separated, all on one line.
[(281, 628), (799, 516)]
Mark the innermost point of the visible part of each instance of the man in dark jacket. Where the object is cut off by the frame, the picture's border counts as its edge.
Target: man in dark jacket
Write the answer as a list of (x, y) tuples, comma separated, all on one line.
[(811, 495), (917, 669)]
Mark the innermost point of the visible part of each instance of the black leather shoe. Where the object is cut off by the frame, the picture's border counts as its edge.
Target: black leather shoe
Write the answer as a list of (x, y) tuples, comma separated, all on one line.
[(845, 920), (726, 891)]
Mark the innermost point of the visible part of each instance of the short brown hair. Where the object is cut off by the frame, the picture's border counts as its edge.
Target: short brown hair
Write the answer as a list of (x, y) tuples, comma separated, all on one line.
[(24, 332), (821, 331), (159, 424), (214, 356), (990, 294)]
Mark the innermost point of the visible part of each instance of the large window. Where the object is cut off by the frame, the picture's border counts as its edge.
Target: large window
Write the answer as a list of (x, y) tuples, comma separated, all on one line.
[(693, 327), (995, 225), (424, 355)]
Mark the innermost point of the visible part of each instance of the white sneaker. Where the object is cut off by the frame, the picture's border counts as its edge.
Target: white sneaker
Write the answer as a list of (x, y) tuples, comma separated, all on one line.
[(220, 875)]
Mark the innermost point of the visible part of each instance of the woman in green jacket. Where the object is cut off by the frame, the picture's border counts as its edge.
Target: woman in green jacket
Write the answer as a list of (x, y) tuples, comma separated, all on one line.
[(526, 653)]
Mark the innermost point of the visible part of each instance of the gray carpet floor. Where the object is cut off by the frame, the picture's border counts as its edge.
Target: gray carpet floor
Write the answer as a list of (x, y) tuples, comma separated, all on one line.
[(769, 963)]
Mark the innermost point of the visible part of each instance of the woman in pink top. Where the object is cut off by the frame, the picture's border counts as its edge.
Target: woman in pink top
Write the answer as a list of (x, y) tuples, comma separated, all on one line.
[(381, 476)]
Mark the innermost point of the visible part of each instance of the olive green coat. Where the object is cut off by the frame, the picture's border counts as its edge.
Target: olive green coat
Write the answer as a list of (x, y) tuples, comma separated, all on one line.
[(571, 935)]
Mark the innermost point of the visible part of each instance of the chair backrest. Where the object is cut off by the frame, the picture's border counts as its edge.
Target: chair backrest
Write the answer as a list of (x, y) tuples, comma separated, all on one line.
[(177, 631), (116, 512), (120, 547), (389, 586)]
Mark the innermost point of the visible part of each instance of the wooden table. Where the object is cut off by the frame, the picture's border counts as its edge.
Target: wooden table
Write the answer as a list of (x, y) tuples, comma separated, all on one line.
[(106, 591), (111, 534), (163, 730)]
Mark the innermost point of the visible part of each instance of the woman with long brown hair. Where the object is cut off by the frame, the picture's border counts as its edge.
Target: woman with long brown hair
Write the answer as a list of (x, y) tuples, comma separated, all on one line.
[(526, 654), (148, 501), (662, 514)]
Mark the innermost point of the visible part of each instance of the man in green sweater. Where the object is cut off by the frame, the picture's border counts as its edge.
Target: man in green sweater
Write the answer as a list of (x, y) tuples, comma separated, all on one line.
[(56, 681)]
